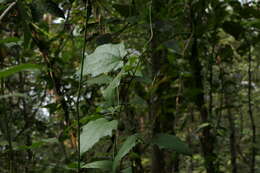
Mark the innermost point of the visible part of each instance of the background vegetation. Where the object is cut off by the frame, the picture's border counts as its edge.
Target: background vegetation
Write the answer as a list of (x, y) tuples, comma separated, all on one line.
[(160, 86)]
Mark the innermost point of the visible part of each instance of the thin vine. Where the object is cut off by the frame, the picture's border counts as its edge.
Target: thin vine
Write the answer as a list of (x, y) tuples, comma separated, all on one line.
[(80, 82)]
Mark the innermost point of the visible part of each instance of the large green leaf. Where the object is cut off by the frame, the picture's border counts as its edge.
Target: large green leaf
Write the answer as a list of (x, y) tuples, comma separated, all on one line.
[(167, 141), (94, 131), (14, 69), (105, 165), (105, 58), (130, 142)]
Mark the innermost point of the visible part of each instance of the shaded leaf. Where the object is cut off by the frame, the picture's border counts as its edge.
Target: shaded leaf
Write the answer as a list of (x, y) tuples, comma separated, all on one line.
[(167, 141), (130, 142), (94, 131), (109, 92)]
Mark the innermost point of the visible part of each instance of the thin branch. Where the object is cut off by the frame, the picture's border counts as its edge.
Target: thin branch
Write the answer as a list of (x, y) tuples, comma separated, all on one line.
[(7, 10)]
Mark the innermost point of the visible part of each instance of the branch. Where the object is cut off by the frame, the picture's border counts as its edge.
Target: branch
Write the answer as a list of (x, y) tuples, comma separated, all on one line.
[(7, 10)]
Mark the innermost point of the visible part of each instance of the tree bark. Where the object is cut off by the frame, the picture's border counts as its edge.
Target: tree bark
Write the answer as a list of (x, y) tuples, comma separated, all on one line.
[(207, 139)]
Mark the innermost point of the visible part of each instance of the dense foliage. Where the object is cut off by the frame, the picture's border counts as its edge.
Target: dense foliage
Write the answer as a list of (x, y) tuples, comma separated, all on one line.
[(131, 86)]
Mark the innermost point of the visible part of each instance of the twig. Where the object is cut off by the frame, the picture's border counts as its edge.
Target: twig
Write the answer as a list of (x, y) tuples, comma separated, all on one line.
[(7, 10)]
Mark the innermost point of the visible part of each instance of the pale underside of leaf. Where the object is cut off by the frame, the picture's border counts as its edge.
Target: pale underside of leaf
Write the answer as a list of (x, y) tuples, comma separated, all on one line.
[(104, 59)]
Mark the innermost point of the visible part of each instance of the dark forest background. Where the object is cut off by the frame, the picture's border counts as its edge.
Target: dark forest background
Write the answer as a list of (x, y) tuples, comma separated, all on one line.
[(131, 86)]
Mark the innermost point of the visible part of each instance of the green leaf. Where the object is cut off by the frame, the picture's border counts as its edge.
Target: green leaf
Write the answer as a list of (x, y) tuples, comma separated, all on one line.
[(203, 125), (102, 79), (9, 40), (94, 131), (167, 141), (105, 165), (14, 69), (130, 142), (104, 59), (33, 146), (50, 140), (109, 92)]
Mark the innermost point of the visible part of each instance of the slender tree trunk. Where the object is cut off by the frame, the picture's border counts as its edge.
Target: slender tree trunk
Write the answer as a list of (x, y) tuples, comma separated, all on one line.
[(207, 139), (232, 138), (157, 58), (250, 112)]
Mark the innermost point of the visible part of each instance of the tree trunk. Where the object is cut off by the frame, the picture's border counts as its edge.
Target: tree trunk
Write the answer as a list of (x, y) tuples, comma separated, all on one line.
[(207, 139)]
